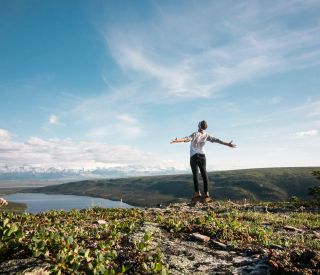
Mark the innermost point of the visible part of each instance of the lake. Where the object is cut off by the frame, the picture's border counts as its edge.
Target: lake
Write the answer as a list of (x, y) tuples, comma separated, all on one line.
[(39, 202)]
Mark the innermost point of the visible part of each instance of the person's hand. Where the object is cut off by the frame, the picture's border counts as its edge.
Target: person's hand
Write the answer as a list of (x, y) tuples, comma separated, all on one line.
[(174, 141), (230, 144)]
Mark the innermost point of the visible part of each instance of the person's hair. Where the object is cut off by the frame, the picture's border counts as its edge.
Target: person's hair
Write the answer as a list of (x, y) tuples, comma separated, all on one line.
[(203, 125)]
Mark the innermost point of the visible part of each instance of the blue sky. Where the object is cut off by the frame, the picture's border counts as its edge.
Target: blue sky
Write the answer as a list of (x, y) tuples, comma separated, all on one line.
[(110, 83)]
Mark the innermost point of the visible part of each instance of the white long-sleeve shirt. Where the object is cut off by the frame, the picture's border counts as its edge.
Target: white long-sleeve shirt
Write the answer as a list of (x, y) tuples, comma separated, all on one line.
[(198, 141)]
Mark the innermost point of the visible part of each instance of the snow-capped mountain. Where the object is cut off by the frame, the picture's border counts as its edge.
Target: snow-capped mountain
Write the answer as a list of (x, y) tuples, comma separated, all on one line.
[(30, 172)]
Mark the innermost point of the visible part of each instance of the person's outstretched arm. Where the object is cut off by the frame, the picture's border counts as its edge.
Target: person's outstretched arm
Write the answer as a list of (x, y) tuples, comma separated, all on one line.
[(229, 144), (177, 140)]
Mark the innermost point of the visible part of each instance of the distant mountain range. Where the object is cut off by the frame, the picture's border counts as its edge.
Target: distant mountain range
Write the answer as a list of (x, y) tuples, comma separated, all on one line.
[(28, 172)]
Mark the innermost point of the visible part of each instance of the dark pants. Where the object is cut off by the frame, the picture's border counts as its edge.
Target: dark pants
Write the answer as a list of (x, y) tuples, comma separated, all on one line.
[(199, 160)]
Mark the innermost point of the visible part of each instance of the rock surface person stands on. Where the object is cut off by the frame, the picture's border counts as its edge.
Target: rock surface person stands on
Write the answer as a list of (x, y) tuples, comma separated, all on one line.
[(198, 159)]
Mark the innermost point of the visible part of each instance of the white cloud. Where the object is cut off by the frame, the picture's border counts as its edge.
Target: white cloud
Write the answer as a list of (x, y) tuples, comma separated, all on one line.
[(70, 154), (310, 133), (53, 119), (5, 135)]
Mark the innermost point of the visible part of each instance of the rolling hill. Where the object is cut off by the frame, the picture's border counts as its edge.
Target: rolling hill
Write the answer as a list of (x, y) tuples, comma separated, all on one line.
[(263, 184)]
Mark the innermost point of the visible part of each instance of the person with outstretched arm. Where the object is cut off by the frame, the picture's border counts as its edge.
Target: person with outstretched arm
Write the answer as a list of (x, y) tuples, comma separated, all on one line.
[(198, 159)]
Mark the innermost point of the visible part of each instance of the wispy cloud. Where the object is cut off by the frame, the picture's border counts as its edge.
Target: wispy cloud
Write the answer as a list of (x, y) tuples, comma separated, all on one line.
[(309, 108), (127, 118), (193, 54), (108, 117), (309, 133)]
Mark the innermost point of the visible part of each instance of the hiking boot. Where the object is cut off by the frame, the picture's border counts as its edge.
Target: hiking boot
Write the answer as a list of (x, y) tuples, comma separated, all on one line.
[(196, 197), (207, 199)]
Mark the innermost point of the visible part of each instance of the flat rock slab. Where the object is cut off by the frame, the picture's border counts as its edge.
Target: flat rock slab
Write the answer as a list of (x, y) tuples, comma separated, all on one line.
[(291, 228), (218, 245), (200, 237), (24, 266), (100, 222)]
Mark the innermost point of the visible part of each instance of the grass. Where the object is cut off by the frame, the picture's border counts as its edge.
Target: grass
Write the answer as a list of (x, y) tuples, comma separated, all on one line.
[(242, 228), (12, 206), (71, 243)]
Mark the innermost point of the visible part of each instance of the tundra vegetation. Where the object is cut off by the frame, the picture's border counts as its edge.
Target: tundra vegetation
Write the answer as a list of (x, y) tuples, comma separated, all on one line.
[(101, 241)]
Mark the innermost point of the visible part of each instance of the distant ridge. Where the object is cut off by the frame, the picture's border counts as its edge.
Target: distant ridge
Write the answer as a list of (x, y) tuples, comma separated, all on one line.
[(27, 172), (265, 184)]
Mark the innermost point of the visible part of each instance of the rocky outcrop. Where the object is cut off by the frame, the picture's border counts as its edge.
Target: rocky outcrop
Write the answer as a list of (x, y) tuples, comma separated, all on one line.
[(187, 254), (3, 202)]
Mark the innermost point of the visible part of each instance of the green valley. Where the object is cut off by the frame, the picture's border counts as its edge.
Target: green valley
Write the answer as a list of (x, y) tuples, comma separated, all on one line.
[(264, 184)]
